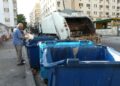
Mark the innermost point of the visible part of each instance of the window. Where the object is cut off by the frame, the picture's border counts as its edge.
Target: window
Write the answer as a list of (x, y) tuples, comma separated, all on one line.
[(14, 1), (15, 14), (107, 7), (95, 5), (95, 12), (15, 19), (118, 8), (6, 9), (88, 5), (107, 13), (15, 10), (88, 0), (101, 1), (113, 7), (88, 12), (58, 3), (118, 1), (80, 5), (5, 0), (118, 14), (113, 0), (113, 14), (7, 19), (107, 1), (101, 6), (101, 13)]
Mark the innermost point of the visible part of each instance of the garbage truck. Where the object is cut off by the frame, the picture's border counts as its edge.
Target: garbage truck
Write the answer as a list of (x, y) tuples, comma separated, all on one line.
[(69, 25)]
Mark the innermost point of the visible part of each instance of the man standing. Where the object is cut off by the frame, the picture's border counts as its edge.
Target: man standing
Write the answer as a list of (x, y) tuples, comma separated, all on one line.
[(18, 37)]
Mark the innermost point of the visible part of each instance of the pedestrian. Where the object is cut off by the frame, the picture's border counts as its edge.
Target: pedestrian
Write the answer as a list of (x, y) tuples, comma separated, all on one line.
[(18, 38)]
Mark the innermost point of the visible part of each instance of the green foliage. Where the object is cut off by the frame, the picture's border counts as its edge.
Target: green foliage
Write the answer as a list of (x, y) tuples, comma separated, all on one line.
[(21, 19)]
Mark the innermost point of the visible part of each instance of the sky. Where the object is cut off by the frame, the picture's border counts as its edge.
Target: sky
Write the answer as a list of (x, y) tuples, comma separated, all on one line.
[(25, 7)]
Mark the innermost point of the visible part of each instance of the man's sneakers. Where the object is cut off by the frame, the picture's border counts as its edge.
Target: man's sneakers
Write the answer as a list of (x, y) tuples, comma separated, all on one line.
[(21, 63)]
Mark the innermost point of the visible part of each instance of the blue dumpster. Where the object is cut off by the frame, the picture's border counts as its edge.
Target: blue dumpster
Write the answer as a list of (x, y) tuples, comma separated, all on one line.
[(33, 50), (90, 66), (33, 55), (63, 47), (41, 38)]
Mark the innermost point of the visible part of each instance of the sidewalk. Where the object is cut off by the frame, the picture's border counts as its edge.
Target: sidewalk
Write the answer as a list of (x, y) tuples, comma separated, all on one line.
[(10, 73)]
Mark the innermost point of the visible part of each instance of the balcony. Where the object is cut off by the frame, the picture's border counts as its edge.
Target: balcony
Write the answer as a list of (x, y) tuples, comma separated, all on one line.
[(118, 8), (101, 1)]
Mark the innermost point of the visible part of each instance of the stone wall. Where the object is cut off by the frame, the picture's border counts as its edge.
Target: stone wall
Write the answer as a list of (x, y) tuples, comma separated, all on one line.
[(110, 32)]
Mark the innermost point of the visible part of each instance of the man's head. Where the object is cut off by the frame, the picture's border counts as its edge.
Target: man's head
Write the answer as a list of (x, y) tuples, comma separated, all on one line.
[(20, 26)]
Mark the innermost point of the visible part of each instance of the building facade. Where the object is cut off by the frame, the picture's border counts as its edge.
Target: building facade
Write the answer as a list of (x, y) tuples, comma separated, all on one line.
[(8, 12), (118, 8), (95, 9), (32, 19), (35, 15)]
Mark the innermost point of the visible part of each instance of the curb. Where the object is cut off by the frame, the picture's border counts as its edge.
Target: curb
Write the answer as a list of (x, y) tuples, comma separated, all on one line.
[(29, 76)]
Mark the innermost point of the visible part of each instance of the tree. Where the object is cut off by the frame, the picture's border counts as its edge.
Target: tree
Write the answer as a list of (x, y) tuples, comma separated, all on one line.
[(21, 19)]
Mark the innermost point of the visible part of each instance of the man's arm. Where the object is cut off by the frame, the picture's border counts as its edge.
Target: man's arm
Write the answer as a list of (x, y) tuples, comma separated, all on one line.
[(20, 35)]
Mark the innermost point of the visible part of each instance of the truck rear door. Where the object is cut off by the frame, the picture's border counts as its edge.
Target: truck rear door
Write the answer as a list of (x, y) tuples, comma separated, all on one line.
[(80, 26)]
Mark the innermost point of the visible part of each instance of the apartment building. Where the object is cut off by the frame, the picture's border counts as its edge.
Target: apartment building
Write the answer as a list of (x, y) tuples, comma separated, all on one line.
[(8, 12), (32, 19), (95, 9), (118, 8), (35, 15)]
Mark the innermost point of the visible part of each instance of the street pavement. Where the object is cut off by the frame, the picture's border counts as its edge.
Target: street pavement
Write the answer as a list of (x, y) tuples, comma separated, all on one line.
[(10, 73), (112, 41), (13, 75)]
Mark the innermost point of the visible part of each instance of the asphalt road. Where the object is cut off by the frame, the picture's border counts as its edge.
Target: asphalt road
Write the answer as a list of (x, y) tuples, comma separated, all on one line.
[(10, 73), (111, 41)]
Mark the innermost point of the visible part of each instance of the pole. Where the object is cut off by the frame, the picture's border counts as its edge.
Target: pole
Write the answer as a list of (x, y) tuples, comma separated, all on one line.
[(64, 4), (117, 29), (117, 26)]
